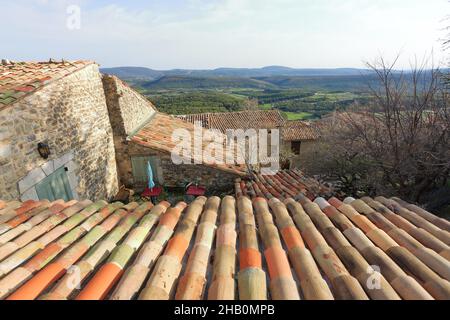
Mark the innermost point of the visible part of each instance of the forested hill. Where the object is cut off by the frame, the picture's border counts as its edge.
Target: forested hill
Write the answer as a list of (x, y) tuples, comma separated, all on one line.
[(195, 82), (298, 93), (151, 74)]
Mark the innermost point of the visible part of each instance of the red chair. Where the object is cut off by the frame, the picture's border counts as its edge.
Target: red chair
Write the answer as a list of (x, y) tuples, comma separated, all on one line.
[(151, 193), (193, 191), (196, 191)]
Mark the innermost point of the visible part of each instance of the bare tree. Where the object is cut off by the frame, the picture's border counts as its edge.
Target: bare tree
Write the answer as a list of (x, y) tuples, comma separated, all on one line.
[(400, 142), (446, 48), (251, 104)]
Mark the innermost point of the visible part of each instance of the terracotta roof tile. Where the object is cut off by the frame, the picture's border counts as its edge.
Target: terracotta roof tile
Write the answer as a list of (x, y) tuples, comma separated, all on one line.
[(256, 119), (157, 134), (251, 119), (300, 130), (116, 248), (138, 251), (21, 78)]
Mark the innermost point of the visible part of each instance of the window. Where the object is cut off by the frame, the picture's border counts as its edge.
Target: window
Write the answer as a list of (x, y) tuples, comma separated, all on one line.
[(55, 186), (139, 168), (295, 147)]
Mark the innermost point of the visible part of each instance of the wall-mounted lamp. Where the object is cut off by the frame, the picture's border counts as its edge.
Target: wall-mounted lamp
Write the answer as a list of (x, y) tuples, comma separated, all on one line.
[(44, 150)]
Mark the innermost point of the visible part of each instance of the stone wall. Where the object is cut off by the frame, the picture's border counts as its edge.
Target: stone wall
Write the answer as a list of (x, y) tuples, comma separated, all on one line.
[(71, 116), (170, 174), (307, 154), (128, 110)]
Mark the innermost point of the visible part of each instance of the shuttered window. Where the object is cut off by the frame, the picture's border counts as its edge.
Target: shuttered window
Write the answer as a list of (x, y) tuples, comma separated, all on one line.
[(54, 187), (139, 168)]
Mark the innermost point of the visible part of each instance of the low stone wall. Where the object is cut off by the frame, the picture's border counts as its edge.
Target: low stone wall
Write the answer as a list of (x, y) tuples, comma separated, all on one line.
[(128, 110), (71, 116)]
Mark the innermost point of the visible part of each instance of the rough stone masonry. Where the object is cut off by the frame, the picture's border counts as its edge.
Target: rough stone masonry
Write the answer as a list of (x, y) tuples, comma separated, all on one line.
[(71, 116)]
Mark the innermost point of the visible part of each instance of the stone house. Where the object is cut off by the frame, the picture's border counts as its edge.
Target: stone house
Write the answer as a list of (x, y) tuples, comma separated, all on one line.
[(91, 130), (301, 138), (248, 119), (61, 105), (149, 140), (67, 131), (298, 138)]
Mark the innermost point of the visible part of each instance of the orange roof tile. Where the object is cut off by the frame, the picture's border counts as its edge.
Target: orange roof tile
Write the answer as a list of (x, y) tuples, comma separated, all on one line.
[(300, 130), (157, 134), (340, 243), (256, 119), (250, 119), (19, 79)]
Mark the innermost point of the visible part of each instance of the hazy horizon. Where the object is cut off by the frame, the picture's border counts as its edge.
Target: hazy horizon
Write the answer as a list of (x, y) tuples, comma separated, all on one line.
[(257, 67), (210, 34)]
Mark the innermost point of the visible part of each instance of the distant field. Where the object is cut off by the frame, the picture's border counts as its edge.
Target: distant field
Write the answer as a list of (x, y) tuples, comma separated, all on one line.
[(265, 106), (291, 115), (182, 102), (299, 115), (298, 97), (331, 96), (295, 103), (185, 82), (322, 83)]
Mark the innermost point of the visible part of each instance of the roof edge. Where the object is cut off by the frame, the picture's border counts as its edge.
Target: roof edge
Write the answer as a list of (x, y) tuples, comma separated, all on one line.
[(51, 81)]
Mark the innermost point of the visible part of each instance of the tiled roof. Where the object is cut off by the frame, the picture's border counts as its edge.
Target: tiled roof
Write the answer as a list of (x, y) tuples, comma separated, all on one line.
[(300, 130), (22, 78), (157, 134), (256, 119), (291, 244), (251, 119)]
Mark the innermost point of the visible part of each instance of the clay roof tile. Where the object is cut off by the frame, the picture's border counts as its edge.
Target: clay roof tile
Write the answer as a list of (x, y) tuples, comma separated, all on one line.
[(22, 78)]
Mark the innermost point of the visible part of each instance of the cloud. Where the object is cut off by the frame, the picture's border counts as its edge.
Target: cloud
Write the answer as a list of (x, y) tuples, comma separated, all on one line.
[(212, 33)]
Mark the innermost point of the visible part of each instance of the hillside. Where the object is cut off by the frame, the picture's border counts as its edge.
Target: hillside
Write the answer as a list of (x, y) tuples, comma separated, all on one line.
[(270, 71), (180, 102), (133, 73), (185, 82), (299, 93), (353, 83)]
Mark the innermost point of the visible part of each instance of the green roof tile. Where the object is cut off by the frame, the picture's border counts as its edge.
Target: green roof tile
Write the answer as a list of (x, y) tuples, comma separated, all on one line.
[(22, 78)]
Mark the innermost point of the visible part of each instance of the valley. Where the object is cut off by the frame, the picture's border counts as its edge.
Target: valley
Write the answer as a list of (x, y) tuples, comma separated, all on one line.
[(300, 94), (305, 95)]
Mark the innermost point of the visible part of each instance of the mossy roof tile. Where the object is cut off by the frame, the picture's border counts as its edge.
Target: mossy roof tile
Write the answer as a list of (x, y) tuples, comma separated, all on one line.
[(34, 269), (27, 77)]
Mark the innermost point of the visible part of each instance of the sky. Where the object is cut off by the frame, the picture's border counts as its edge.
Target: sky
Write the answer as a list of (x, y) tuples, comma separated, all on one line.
[(205, 34)]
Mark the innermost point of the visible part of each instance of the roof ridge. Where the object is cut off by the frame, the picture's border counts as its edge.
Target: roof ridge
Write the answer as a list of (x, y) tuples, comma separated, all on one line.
[(227, 112), (21, 79)]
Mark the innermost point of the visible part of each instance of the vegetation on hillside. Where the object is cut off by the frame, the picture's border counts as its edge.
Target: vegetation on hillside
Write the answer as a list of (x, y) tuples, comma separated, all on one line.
[(184, 82), (398, 144), (322, 103), (386, 139), (197, 102), (184, 94), (269, 71), (295, 103), (353, 83)]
